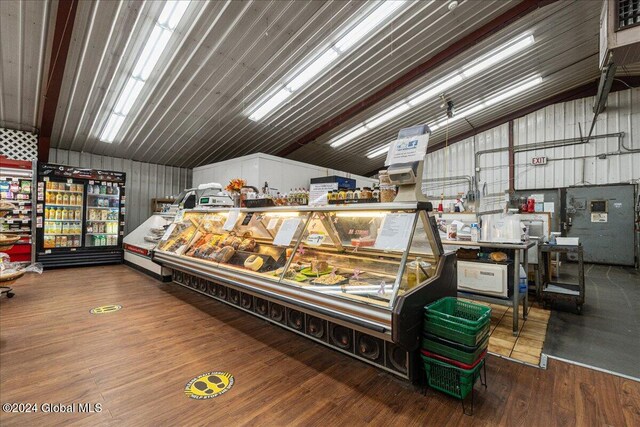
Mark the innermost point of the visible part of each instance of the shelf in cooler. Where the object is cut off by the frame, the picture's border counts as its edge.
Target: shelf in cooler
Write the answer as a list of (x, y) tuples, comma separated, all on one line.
[(112, 196), (102, 220), (19, 201), (51, 190), (102, 207), (62, 234), (63, 220), (14, 220), (101, 234), (48, 205)]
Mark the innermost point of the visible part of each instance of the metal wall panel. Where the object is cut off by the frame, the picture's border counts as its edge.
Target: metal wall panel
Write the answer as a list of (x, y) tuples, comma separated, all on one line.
[(459, 160), (565, 167), (145, 181), (579, 164)]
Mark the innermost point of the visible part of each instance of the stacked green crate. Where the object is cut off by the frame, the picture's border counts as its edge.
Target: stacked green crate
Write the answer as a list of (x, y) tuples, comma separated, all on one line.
[(454, 345)]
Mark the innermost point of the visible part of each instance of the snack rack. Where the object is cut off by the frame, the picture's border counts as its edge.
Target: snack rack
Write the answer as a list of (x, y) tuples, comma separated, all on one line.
[(17, 215)]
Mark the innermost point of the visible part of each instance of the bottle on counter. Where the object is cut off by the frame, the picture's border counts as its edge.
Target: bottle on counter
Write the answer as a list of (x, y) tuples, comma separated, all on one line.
[(349, 194), (366, 193), (376, 192), (356, 194), (342, 194), (475, 232)]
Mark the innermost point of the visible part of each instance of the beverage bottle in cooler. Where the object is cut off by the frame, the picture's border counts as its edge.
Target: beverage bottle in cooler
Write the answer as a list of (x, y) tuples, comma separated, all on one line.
[(59, 199)]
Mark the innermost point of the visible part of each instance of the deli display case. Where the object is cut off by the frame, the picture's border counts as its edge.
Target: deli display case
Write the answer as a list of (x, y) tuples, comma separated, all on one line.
[(355, 278), (140, 243)]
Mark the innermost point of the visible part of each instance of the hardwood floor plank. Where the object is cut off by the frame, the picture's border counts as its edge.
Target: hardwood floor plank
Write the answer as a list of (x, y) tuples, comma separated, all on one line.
[(136, 362)]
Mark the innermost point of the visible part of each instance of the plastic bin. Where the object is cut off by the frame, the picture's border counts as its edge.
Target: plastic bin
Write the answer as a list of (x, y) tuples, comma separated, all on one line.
[(454, 381), (454, 362), (463, 317), (455, 332), (455, 351)]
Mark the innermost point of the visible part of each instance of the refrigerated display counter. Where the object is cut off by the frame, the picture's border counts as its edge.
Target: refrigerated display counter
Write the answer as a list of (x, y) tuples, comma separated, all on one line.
[(355, 277), (139, 244)]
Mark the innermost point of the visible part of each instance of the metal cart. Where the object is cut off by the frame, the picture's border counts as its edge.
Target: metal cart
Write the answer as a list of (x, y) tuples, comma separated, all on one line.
[(550, 291)]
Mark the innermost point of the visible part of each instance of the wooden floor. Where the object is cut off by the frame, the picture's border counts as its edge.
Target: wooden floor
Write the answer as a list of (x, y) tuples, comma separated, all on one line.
[(527, 346), (136, 362)]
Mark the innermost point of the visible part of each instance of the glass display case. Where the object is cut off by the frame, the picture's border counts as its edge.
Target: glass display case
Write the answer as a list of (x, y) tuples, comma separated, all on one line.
[(355, 265)]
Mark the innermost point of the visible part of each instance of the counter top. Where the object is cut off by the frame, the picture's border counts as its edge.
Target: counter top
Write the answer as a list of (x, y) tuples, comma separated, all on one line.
[(523, 245)]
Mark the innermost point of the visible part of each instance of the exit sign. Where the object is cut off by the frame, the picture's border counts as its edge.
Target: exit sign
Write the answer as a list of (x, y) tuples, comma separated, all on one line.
[(537, 161)]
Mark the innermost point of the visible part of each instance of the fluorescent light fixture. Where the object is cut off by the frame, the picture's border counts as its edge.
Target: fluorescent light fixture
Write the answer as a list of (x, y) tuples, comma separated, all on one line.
[(376, 17), (172, 13), (271, 103), (348, 137), (508, 93), (498, 55), (388, 115), (151, 52), (368, 24), (435, 90), (129, 94), (378, 152), (313, 69), (166, 24), (112, 127), (527, 84), (441, 86)]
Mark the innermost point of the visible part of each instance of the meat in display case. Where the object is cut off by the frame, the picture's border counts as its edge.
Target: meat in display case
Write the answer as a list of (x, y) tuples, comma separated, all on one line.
[(80, 215), (355, 278)]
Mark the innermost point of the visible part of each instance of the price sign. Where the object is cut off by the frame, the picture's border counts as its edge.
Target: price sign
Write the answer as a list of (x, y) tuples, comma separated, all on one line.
[(273, 223), (315, 239), (168, 232), (247, 218), (231, 220)]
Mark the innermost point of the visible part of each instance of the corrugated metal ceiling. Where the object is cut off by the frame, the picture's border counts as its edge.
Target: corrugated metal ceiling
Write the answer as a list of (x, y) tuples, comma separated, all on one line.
[(194, 108), (23, 30)]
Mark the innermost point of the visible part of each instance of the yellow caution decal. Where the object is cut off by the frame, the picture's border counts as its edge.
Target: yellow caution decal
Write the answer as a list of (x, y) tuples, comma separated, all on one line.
[(209, 385), (104, 309)]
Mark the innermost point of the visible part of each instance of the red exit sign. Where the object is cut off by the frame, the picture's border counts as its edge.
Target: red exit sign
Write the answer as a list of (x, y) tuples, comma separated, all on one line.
[(537, 161)]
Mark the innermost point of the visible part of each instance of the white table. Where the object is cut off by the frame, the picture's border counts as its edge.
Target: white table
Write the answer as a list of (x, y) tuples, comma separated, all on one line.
[(516, 297)]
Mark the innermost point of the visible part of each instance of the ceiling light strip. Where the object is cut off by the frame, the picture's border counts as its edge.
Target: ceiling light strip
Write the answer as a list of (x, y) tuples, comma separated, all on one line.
[(432, 91), (155, 45), (501, 96), (374, 19)]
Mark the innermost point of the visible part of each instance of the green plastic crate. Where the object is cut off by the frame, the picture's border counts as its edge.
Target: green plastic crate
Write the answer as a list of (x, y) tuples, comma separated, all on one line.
[(453, 332), (454, 353), (454, 381), (462, 316)]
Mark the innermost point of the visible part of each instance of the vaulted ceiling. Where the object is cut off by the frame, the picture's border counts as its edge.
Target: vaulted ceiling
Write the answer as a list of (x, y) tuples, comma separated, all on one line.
[(226, 55)]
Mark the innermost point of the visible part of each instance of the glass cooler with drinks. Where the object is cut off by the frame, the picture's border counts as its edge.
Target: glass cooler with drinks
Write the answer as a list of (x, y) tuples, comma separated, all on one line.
[(80, 215)]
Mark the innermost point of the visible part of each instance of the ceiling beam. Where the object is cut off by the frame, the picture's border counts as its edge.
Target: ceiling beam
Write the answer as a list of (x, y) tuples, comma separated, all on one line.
[(584, 91), (456, 48), (65, 18)]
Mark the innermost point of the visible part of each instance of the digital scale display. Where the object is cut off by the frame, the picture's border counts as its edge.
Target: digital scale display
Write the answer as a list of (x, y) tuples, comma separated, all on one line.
[(204, 200)]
